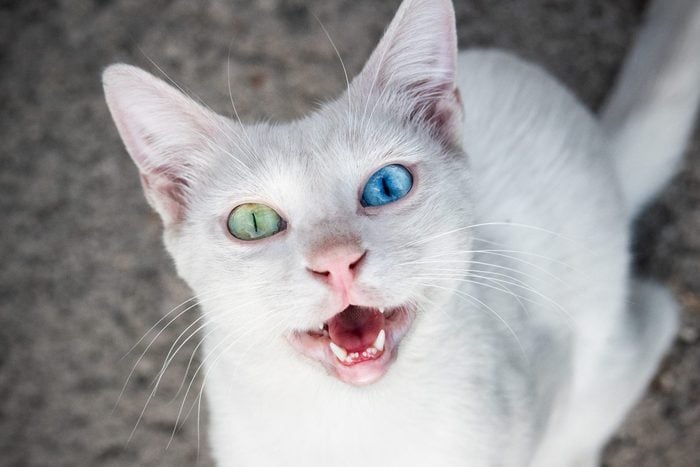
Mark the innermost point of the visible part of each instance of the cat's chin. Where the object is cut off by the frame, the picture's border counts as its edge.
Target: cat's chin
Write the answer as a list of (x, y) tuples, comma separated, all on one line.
[(359, 344)]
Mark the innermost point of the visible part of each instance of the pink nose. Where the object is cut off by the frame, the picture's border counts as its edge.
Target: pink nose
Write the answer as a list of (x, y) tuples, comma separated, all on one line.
[(337, 266)]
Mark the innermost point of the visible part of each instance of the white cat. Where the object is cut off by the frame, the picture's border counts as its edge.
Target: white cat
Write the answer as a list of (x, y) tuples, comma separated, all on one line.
[(432, 269)]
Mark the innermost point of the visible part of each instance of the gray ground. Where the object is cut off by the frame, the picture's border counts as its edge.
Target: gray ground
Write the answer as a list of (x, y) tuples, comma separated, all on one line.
[(83, 273)]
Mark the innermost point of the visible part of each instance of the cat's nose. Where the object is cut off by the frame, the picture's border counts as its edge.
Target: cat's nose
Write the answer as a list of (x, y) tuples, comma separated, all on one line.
[(337, 266)]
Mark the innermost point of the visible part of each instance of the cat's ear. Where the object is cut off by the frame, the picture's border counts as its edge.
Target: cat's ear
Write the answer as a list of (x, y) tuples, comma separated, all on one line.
[(413, 67), (165, 132)]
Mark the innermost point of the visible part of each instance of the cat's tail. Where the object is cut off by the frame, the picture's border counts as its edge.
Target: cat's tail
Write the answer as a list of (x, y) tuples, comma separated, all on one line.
[(650, 114)]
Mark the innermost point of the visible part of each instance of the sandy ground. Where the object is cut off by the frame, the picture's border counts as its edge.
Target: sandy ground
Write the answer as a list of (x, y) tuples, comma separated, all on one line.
[(83, 274)]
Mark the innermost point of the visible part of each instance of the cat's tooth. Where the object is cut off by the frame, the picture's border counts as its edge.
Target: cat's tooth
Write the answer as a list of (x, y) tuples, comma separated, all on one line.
[(320, 326), (381, 310), (379, 341), (339, 352)]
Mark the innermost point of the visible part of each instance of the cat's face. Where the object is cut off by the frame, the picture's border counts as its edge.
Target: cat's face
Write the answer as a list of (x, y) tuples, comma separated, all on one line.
[(332, 274), (334, 254)]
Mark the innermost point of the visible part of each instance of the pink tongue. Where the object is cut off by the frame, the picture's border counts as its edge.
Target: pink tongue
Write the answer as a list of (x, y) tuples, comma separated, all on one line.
[(356, 328)]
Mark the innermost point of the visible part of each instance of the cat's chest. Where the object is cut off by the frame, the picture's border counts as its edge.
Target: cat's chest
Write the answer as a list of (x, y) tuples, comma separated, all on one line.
[(315, 420), (373, 434)]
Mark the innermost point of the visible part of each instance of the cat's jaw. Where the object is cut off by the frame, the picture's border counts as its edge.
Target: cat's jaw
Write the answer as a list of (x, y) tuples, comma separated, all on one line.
[(369, 360)]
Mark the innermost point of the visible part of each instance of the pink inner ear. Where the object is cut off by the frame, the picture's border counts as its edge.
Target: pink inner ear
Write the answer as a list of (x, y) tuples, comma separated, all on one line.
[(414, 66), (442, 114), (166, 133), (166, 193)]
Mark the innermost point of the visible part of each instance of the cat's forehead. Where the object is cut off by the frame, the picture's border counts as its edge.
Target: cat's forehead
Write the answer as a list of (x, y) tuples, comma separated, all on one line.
[(318, 153), (311, 168), (326, 145)]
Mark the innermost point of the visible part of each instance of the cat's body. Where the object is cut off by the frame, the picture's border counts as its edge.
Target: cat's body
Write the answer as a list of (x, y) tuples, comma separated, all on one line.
[(474, 366), (529, 338)]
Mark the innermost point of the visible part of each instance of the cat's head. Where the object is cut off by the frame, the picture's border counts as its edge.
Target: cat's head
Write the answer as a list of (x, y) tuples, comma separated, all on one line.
[(321, 239)]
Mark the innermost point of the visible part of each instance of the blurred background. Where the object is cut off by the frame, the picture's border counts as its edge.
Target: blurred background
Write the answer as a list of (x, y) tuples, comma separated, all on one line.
[(83, 273)]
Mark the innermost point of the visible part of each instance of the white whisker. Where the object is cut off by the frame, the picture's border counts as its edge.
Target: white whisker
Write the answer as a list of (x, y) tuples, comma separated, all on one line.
[(345, 73), (491, 310), (491, 224)]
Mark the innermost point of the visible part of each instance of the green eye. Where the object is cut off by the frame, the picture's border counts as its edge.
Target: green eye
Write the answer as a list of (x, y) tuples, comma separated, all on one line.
[(254, 221)]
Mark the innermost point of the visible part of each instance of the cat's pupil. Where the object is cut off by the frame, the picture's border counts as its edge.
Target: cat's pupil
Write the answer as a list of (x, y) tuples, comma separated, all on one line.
[(385, 187), (255, 222)]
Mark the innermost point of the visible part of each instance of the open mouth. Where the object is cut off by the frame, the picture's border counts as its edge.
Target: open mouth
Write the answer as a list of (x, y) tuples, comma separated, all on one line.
[(359, 344)]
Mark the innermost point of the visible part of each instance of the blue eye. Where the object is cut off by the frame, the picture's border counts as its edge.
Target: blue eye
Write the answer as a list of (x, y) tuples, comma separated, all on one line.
[(387, 185)]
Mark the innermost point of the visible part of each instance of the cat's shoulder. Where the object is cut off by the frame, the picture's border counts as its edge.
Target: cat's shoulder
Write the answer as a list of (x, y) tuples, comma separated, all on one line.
[(505, 96), (486, 57), (498, 74)]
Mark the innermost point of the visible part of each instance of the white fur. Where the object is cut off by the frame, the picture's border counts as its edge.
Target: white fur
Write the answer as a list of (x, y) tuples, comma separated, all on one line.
[(532, 340), (650, 115)]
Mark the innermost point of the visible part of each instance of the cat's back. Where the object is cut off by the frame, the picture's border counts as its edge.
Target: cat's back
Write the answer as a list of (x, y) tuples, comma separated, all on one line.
[(543, 176), (536, 153)]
